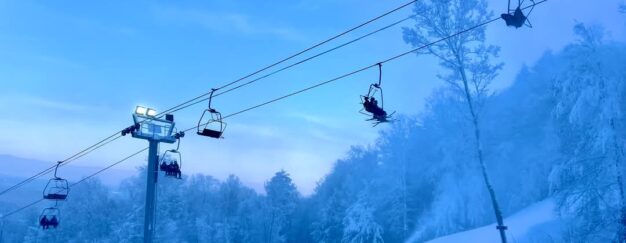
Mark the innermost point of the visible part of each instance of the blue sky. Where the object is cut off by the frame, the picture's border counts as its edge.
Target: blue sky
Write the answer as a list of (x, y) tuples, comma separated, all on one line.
[(72, 72)]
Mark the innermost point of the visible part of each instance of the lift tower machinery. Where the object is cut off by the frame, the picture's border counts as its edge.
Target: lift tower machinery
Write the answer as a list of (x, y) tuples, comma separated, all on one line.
[(156, 130)]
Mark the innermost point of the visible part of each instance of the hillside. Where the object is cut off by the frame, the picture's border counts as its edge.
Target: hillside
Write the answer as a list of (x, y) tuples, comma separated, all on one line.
[(537, 223)]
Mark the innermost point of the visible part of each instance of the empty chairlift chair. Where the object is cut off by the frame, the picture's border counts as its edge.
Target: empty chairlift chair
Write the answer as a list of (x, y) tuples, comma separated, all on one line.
[(57, 188), (211, 123)]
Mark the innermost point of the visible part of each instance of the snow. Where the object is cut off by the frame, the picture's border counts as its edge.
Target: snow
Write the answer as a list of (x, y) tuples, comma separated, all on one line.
[(536, 223)]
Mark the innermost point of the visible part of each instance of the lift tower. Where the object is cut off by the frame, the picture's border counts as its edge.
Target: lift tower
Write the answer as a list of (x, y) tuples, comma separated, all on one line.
[(148, 127)]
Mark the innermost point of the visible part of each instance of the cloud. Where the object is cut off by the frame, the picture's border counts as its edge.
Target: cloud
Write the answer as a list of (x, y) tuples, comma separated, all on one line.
[(224, 22), (316, 120), (39, 103)]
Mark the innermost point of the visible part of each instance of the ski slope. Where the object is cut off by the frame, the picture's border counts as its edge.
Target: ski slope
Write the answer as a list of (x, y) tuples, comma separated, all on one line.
[(536, 223)]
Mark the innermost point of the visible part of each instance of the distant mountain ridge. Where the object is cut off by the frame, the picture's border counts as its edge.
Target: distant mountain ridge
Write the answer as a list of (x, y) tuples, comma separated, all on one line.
[(22, 168)]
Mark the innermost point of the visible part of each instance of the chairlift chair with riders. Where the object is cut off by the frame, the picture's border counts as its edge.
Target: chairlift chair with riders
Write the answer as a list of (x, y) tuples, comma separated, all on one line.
[(173, 168), (370, 102), (50, 217), (57, 187), (516, 17), (214, 126)]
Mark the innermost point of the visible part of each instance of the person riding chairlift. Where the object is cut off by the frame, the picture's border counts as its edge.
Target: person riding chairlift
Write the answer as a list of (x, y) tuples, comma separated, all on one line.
[(163, 167), (44, 222), (54, 222), (169, 169), (371, 105), (517, 19), (367, 105), (176, 170)]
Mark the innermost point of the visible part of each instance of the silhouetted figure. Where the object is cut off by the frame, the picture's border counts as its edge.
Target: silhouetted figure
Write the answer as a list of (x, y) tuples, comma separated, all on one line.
[(163, 167), (176, 170), (54, 222), (170, 169), (44, 223), (374, 102), (370, 104), (517, 19), (367, 105), (378, 112)]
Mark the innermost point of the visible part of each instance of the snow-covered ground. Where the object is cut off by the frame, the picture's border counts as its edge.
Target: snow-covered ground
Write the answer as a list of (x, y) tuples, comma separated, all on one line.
[(537, 223)]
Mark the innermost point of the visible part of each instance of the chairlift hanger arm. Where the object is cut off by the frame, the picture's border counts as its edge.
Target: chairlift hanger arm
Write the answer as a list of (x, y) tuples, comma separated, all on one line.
[(57, 168), (380, 73), (211, 97)]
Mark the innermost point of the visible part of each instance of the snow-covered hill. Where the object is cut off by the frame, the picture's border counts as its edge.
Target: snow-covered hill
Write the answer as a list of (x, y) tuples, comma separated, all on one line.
[(537, 223)]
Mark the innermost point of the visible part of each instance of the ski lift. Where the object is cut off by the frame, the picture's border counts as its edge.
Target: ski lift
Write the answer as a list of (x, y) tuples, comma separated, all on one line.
[(173, 168), (370, 103), (213, 127), (57, 187), (516, 17), (50, 217)]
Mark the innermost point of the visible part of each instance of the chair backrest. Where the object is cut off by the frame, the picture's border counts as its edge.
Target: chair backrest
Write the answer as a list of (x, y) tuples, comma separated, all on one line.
[(56, 189)]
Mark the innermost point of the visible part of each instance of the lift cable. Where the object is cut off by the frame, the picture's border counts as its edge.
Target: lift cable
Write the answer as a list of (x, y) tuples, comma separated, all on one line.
[(355, 71), (64, 162), (187, 103), (294, 64), (366, 67), (307, 89), (296, 54), (77, 182)]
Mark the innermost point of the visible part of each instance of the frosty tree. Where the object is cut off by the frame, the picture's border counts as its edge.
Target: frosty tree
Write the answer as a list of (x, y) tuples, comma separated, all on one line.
[(359, 223), (282, 198), (590, 94), (466, 57)]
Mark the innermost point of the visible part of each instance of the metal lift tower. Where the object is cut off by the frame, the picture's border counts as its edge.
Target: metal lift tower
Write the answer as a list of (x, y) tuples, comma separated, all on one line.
[(156, 131)]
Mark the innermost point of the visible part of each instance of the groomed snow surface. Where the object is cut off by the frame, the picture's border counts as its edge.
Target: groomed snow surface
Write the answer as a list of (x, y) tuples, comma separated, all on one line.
[(537, 223)]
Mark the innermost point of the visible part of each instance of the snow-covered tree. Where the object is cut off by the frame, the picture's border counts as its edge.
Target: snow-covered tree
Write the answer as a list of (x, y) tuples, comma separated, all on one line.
[(467, 59), (235, 212), (280, 204), (591, 93), (329, 224), (359, 224)]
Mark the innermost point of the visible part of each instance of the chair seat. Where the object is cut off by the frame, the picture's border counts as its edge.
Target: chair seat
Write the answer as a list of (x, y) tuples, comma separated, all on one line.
[(210, 133), (55, 196)]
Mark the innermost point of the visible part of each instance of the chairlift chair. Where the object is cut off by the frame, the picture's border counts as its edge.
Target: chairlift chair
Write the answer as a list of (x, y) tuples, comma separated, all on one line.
[(57, 188), (516, 17), (214, 126), (175, 158), (50, 217), (370, 102)]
